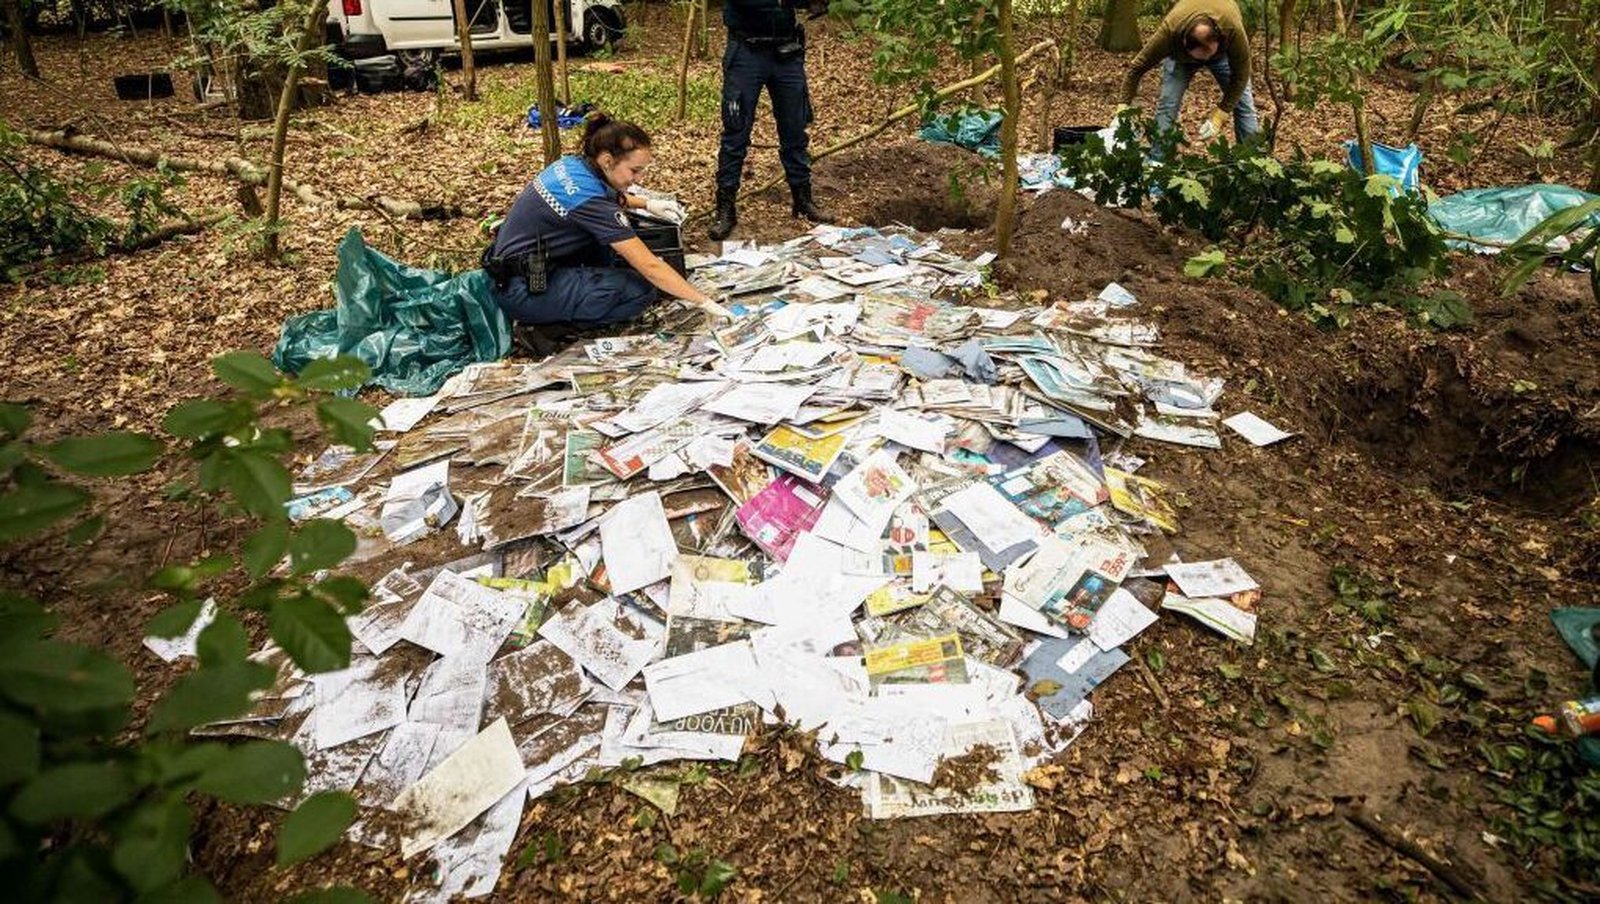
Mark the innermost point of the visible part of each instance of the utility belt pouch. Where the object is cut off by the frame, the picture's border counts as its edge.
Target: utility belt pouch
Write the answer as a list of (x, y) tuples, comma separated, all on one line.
[(496, 267), (791, 46)]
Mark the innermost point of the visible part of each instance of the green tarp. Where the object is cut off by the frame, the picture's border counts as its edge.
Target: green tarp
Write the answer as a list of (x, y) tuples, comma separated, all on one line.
[(970, 128), (413, 327), (1502, 215)]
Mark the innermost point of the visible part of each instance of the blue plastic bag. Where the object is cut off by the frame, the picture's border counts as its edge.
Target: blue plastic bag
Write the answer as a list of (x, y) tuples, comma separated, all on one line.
[(1404, 164), (566, 117)]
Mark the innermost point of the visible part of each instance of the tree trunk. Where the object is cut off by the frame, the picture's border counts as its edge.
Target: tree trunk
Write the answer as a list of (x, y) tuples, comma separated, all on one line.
[(1286, 27), (1364, 140), (703, 45), (469, 70), (1006, 208), (1046, 80), (560, 7), (311, 33), (21, 45), (689, 11), (1419, 107), (544, 81), (1119, 27), (1067, 53)]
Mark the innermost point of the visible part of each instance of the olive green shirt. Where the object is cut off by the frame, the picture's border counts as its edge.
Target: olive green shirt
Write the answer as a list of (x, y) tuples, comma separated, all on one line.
[(1168, 42)]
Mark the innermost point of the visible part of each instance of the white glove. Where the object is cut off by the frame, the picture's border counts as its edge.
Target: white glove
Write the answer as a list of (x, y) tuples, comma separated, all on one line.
[(666, 209), (1212, 127), (714, 307)]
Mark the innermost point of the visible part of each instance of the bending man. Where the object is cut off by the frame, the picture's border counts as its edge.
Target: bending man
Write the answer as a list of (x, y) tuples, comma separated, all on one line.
[(766, 48), (554, 260), (1195, 35)]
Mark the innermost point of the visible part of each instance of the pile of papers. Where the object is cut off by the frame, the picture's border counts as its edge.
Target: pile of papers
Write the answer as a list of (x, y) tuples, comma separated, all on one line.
[(862, 507)]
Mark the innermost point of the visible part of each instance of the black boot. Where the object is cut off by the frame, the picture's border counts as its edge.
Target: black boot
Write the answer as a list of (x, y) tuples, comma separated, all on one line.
[(804, 205), (727, 215), (532, 341)]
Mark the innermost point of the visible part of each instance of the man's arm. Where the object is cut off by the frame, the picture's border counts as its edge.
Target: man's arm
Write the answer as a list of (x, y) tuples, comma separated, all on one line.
[(1153, 52), (1238, 69)]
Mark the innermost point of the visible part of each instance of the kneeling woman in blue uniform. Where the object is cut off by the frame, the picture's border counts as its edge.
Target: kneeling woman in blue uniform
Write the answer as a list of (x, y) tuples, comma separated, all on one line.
[(554, 258)]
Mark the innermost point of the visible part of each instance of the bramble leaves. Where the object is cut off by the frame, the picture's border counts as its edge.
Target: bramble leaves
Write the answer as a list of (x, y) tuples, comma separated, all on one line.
[(342, 374), (313, 635), (318, 544), (74, 791), (105, 455), (247, 372), (1205, 263), (30, 508), (259, 772), (314, 826)]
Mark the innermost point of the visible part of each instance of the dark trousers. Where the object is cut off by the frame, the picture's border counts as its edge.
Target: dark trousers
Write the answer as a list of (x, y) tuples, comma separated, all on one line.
[(745, 71), (581, 296)]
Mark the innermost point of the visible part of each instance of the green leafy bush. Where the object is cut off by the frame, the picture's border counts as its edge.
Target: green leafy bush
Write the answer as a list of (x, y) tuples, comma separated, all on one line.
[(89, 809), (1314, 235), (38, 213)]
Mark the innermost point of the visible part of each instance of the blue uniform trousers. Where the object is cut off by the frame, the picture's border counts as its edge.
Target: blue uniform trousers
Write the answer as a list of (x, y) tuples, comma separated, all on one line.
[(745, 71), (581, 296)]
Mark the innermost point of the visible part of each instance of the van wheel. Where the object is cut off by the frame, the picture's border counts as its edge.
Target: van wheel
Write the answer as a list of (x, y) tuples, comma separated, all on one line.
[(600, 29)]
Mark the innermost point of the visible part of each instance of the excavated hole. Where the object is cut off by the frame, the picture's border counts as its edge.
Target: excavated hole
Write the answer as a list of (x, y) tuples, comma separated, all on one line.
[(1424, 421)]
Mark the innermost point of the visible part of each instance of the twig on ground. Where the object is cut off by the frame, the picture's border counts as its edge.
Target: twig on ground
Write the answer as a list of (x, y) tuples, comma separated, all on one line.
[(1392, 838), (1151, 683)]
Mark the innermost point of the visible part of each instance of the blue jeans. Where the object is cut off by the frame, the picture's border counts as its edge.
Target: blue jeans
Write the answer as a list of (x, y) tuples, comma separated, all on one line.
[(745, 71), (581, 296), (1175, 76)]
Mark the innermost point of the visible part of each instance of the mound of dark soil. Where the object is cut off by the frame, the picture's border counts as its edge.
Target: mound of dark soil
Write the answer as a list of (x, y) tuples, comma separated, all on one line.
[(925, 186), (1509, 408)]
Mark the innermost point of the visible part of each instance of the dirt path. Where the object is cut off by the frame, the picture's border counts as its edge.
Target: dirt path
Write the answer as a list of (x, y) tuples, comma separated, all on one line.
[(1449, 476)]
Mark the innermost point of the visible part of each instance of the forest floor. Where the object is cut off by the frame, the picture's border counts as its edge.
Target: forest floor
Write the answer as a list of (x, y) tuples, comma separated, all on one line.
[(1447, 478)]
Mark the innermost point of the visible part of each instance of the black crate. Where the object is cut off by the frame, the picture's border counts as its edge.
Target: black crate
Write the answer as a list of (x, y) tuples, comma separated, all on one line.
[(143, 85), (1066, 135), (663, 237)]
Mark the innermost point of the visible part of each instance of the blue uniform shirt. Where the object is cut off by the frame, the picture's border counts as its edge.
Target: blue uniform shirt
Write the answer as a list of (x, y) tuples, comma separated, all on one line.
[(572, 208)]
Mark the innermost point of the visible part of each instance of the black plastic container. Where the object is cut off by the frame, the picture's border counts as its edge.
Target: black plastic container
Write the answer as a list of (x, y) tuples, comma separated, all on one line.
[(341, 75), (1065, 135), (377, 75), (664, 237), (143, 85)]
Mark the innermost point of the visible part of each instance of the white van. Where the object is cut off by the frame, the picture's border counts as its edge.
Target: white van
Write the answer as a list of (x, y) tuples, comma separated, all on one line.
[(418, 30)]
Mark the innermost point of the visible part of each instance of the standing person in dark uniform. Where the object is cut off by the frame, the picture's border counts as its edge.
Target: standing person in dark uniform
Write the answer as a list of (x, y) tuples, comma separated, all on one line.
[(766, 48), (554, 259)]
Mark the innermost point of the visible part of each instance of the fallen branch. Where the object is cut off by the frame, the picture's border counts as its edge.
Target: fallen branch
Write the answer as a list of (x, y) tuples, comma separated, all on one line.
[(242, 170), (154, 237), (1443, 871), (906, 111), (171, 231)]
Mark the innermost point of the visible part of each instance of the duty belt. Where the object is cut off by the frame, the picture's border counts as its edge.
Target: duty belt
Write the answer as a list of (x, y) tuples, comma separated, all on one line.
[(532, 265)]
